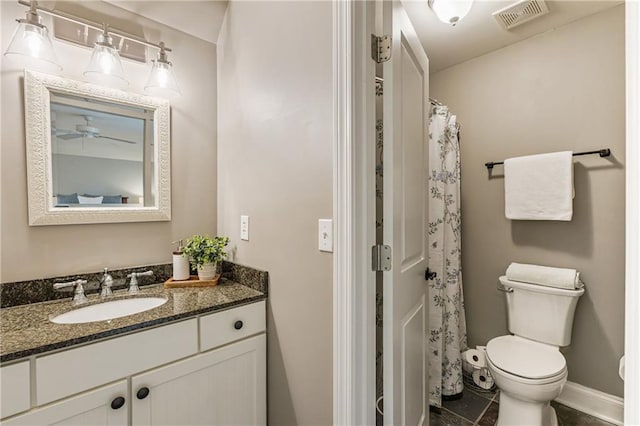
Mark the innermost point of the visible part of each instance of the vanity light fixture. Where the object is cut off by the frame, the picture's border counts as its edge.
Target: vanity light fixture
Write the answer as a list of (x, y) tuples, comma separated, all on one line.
[(105, 66), (31, 38), (451, 11), (162, 79)]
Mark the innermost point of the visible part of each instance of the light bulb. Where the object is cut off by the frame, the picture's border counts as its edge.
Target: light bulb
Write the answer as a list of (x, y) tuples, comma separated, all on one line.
[(162, 74), (105, 61), (162, 77), (33, 40)]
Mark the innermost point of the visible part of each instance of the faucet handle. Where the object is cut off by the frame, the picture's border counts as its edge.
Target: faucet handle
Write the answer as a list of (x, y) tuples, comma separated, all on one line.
[(133, 284), (58, 286), (106, 282), (74, 283), (78, 296), (140, 274)]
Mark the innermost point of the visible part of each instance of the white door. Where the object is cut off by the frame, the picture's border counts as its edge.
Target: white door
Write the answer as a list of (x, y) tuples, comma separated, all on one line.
[(105, 406), (226, 386), (406, 100)]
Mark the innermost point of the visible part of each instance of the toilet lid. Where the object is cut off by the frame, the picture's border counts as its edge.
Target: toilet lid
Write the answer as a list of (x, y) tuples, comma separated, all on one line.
[(525, 358)]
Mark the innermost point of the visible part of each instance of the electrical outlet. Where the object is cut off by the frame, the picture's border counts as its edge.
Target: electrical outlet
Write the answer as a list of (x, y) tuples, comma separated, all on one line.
[(325, 235), (244, 228)]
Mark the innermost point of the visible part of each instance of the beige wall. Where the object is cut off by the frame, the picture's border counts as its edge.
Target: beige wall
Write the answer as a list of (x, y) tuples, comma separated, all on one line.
[(562, 90), (275, 165), (43, 251)]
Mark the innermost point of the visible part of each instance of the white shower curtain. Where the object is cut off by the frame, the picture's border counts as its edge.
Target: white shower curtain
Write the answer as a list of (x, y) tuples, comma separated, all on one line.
[(447, 328)]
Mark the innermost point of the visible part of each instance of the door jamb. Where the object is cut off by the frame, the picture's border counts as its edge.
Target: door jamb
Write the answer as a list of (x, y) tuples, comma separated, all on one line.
[(354, 290)]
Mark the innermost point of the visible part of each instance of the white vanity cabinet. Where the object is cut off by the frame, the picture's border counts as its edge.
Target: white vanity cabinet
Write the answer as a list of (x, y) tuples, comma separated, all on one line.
[(177, 376), (222, 387)]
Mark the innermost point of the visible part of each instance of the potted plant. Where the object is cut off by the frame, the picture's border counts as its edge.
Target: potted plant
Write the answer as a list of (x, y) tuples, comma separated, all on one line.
[(204, 253)]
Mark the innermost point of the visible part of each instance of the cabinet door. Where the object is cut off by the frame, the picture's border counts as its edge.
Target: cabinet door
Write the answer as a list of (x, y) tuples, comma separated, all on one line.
[(15, 391), (92, 408), (226, 386)]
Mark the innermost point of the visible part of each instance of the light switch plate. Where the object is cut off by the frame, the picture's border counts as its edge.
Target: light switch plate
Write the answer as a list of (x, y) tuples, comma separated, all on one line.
[(244, 228), (325, 235)]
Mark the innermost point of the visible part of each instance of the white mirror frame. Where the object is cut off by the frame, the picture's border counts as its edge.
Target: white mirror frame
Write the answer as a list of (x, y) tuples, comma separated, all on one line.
[(39, 166)]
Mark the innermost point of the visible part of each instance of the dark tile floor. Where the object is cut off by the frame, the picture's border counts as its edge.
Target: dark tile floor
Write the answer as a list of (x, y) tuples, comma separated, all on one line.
[(476, 408)]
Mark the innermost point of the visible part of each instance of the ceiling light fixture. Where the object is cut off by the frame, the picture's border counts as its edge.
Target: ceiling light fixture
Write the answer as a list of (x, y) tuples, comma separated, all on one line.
[(162, 79), (451, 11), (105, 66), (32, 39)]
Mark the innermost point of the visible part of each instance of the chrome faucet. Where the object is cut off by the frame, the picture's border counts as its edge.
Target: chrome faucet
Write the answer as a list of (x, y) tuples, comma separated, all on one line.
[(78, 296), (106, 282), (133, 284)]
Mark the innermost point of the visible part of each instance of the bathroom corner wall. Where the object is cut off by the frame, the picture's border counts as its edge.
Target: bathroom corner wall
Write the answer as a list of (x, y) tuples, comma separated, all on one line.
[(44, 251), (275, 165), (561, 90)]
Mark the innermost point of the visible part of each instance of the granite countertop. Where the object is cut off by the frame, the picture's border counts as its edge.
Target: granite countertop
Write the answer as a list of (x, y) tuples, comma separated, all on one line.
[(26, 329)]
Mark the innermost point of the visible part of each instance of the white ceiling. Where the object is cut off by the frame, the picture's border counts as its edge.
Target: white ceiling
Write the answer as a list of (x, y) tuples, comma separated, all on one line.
[(201, 19), (479, 33)]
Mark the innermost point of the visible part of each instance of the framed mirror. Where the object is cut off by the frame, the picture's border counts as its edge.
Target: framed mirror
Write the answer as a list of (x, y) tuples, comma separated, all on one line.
[(95, 154)]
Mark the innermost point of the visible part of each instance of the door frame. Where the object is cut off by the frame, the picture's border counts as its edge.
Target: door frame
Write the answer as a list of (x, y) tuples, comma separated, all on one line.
[(354, 288), (354, 212)]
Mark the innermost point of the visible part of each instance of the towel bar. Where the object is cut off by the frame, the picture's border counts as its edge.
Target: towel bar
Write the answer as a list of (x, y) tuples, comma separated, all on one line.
[(601, 152)]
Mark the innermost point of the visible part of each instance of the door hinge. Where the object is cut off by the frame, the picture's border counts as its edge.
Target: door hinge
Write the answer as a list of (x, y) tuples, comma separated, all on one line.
[(380, 48), (381, 258)]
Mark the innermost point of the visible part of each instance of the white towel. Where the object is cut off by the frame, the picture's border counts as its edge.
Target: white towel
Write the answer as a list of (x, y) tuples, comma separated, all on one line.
[(539, 187), (544, 275)]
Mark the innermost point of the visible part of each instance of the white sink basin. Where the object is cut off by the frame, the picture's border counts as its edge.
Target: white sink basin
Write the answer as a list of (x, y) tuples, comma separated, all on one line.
[(109, 310)]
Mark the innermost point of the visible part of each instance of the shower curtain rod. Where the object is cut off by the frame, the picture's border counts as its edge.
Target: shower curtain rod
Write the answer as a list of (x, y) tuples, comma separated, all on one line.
[(601, 152)]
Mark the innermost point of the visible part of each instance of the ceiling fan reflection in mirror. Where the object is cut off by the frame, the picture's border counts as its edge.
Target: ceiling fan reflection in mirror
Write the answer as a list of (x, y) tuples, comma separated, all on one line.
[(86, 131)]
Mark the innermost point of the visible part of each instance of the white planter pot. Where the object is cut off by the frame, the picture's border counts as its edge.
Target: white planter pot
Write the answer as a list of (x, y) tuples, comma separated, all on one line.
[(207, 271)]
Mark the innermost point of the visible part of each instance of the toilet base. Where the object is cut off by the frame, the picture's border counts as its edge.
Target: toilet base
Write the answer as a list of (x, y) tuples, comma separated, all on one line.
[(516, 412)]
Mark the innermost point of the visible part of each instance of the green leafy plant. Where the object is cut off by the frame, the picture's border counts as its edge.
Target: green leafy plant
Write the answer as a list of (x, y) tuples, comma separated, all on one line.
[(204, 249)]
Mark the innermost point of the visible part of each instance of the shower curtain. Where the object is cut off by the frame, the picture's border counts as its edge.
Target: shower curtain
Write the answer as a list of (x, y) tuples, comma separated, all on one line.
[(447, 328)]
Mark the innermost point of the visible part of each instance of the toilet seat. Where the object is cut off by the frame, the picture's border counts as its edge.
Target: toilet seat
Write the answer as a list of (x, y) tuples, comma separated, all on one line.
[(532, 362)]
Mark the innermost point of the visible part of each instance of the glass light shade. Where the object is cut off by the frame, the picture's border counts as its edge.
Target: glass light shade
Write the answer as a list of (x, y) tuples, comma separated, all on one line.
[(451, 11), (32, 40), (105, 66), (162, 80)]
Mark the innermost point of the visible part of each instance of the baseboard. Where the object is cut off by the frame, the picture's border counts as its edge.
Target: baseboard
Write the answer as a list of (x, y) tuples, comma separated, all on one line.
[(598, 404)]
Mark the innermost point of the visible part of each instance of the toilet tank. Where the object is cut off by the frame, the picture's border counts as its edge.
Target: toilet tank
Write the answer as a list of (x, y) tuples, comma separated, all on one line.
[(543, 314)]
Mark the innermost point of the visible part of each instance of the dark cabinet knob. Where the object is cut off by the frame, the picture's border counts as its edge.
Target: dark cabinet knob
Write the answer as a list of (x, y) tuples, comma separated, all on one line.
[(117, 403), (238, 325), (142, 393)]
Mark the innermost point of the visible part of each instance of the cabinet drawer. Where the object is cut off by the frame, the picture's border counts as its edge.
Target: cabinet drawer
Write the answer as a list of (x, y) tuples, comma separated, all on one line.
[(15, 395), (69, 372), (227, 326)]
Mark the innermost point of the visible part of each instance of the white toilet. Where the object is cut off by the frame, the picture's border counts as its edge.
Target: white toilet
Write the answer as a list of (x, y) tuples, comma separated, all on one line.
[(528, 366)]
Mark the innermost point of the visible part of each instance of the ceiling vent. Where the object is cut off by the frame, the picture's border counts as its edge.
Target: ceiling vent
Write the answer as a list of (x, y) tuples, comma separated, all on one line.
[(520, 12)]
